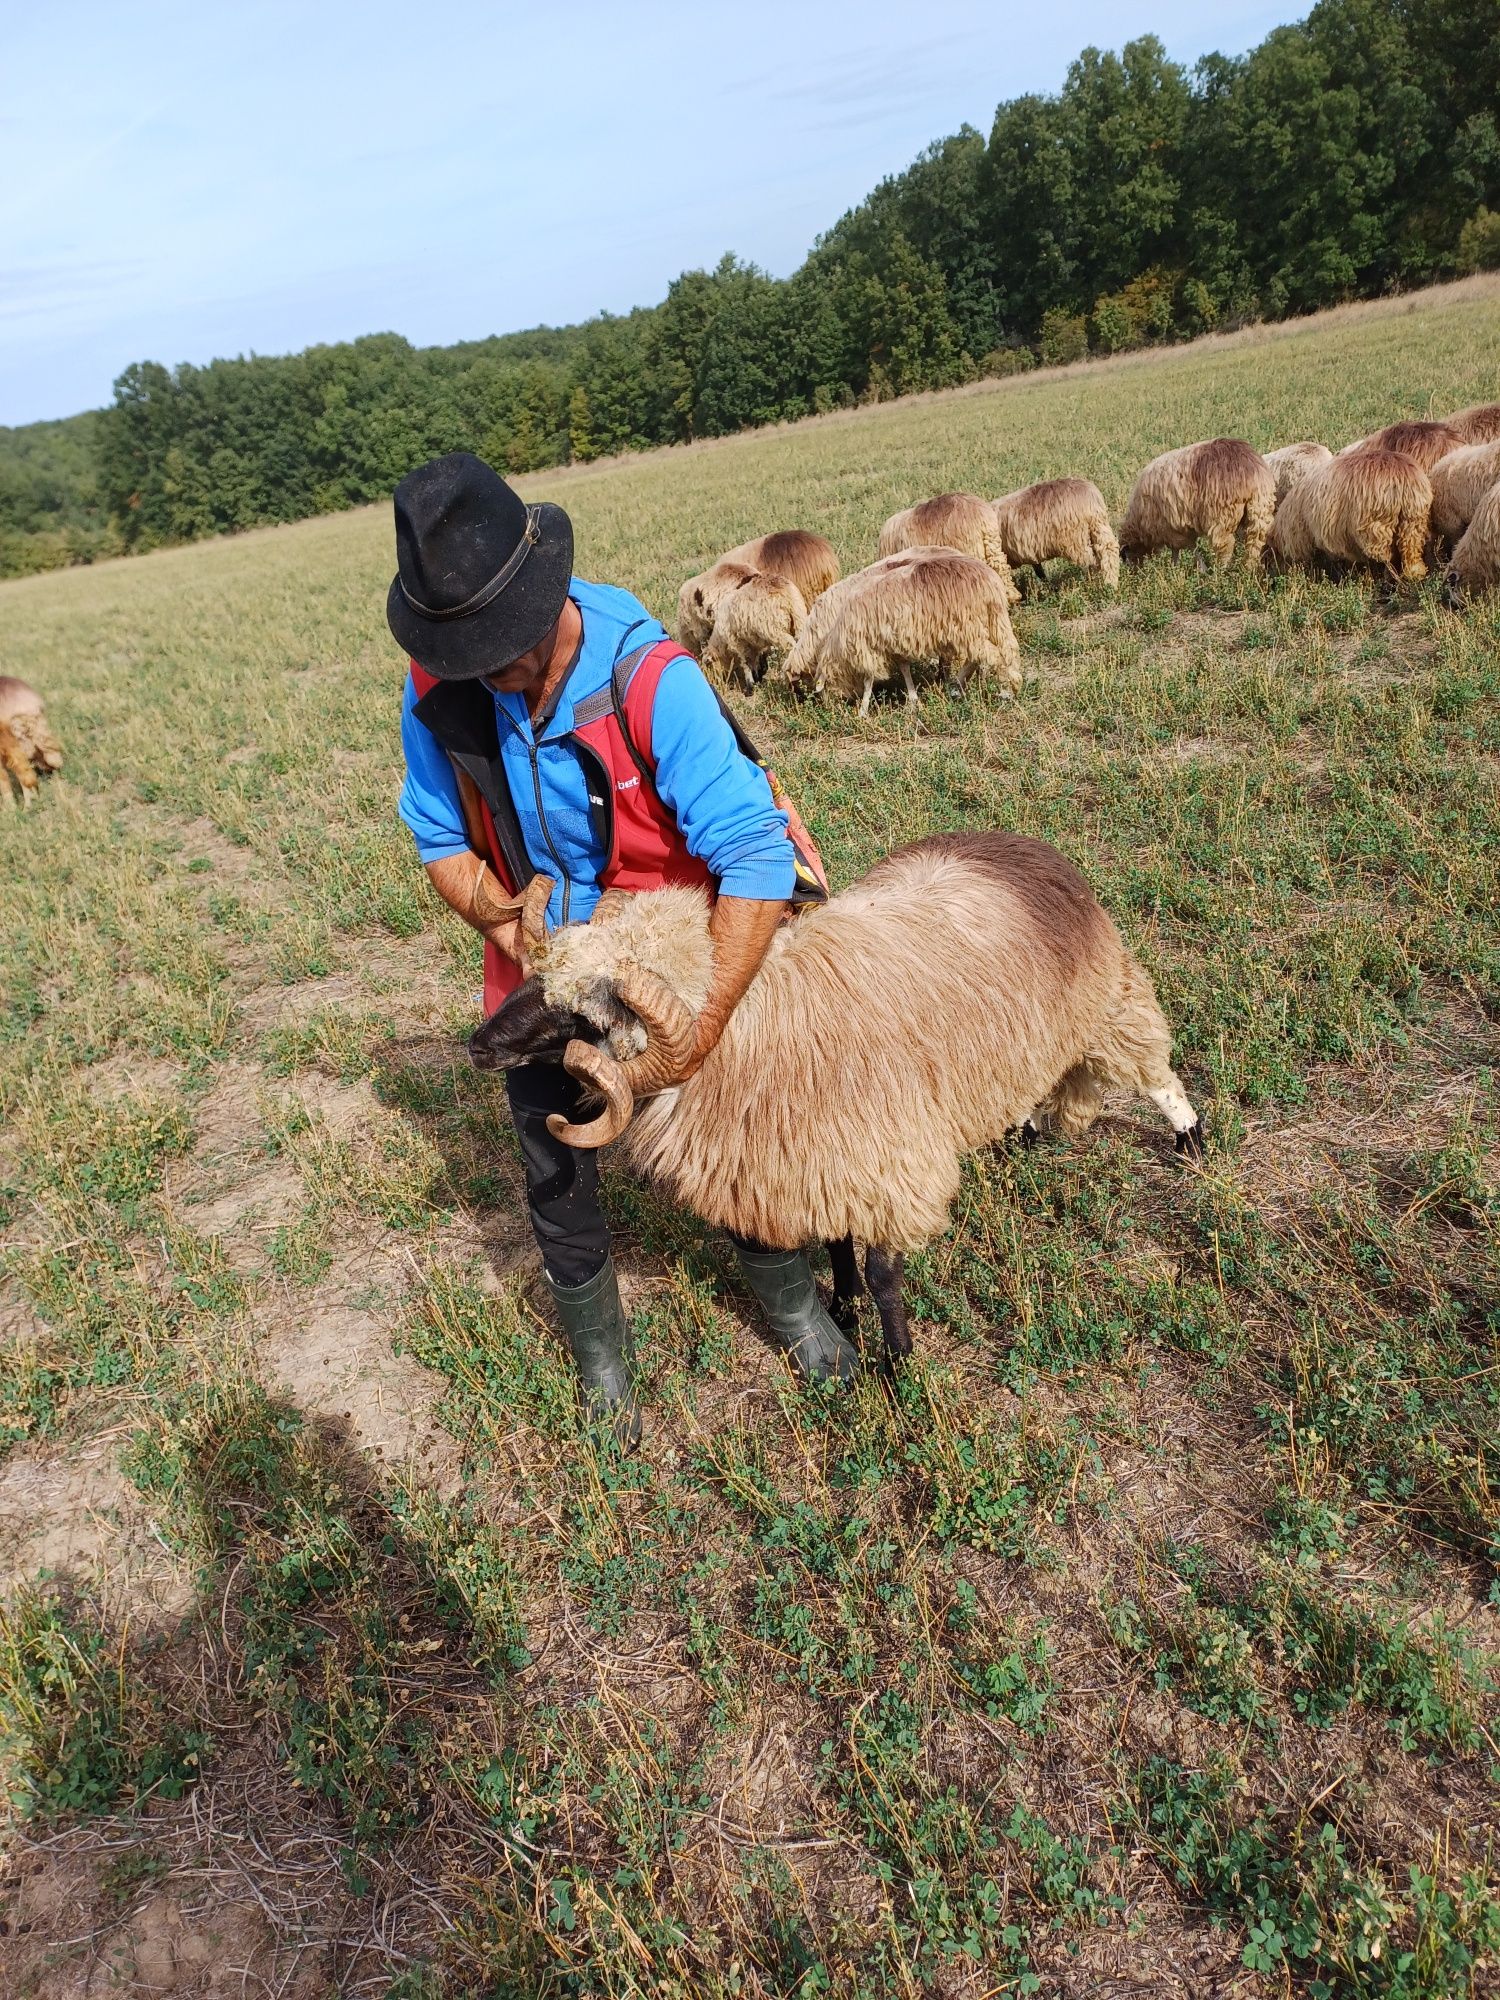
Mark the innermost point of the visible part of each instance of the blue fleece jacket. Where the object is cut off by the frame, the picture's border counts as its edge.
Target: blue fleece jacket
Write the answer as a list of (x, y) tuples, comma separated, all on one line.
[(720, 800)]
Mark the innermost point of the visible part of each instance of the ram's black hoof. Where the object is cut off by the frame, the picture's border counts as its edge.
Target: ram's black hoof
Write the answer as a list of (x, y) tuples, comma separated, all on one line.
[(1190, 1143)]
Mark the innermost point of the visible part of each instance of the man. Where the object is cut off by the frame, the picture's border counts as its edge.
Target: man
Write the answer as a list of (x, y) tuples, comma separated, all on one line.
[(552, 729)]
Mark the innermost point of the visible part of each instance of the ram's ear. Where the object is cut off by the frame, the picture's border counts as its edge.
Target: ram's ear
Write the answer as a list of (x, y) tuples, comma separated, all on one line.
[(525, 1028)]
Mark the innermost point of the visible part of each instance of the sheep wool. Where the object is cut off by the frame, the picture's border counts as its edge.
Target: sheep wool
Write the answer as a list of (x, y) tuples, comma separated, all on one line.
[(832, 1105), (1459, 482), (959, 521), (1475, 566), (1479, 424), (762, 615), (920, 607), (803, 558), (1063, 518), (1290, 462), (1417, 438), (1217, 492), (1362, 507)]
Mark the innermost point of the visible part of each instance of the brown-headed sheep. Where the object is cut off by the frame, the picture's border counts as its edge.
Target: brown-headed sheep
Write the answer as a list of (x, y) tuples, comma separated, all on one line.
[(1475, 563), (1215, 492), (1479, 424), (803, 558), (1459, 482), (1289, 462), (1417, 437), (832, 1108), (1066, 518), (762, 615), (1362, 507), (920, 607), (959, 521), (27, 744)]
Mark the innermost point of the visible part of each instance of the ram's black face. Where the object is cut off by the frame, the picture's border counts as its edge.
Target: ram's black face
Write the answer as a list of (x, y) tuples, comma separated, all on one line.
[(524, 1029)]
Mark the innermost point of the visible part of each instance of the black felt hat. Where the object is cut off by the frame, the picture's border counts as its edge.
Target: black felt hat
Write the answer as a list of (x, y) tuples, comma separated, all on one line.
[(481, 577)]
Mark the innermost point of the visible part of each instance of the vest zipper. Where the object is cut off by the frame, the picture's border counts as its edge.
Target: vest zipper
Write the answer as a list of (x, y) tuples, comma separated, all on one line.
[(541, 813)]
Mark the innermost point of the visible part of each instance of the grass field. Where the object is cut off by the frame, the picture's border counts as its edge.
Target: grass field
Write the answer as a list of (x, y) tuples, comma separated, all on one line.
[(1144, 1643)]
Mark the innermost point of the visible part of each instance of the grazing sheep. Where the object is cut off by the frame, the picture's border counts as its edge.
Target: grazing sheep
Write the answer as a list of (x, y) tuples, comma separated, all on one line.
[(1058, 517), (1291, 461), (921, 606), (1213, 492), (959, 521), (968, 981), (1459, 482), (1479, 424), (761, 615), (803, 558), (27, 744), (1417, 438), (1475, 565), (1362, 507)]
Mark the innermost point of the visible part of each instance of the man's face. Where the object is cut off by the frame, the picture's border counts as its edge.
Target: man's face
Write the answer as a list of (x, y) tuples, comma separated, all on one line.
[(526, 671)]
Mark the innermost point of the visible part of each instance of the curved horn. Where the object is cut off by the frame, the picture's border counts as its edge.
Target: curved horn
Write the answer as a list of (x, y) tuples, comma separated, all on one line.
[(670, 1030), (534, 908), (598, 1067), (610, 904)]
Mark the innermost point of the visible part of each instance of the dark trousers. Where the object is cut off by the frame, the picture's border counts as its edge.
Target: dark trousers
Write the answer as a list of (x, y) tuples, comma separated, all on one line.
[(562, 1183)]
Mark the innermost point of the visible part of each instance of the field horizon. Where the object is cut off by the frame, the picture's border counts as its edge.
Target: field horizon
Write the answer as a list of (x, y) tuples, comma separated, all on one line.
[(1144, 1641)]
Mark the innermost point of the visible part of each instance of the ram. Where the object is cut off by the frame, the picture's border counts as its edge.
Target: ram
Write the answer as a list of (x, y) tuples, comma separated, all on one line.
[(1475, 564), (1219, 492), (1058, 517), (1417, 438), (1459, 482), (803, 558), (959, 521), (923, 607), (834, 1107), (1292, 462), (1363, 507), (760, 616), (1479, 424)]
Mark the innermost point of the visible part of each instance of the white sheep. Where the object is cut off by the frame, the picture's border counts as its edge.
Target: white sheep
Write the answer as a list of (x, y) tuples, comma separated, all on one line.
[(921, 607), (1063, 518), (803, 558), (959, 521), (1217, 492)]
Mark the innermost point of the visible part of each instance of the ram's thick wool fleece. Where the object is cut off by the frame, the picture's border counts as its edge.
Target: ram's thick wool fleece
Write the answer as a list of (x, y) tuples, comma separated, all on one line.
[(1362, 507), (1213, 492), (1291, 463), (959, 521), (967, 982), (803, 558), (1063, 518), (1459, 482), (924, 607)]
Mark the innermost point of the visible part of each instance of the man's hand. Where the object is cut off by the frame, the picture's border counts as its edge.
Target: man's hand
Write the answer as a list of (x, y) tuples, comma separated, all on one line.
[(470, 890), (742, 928)]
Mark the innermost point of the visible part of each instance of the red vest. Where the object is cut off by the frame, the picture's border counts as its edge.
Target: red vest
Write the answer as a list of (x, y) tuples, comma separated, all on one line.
[(646, 849)]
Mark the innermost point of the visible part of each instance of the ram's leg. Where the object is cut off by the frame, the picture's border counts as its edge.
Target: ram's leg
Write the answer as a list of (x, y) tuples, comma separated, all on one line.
[(864, 706), (884, 1270), (913, 700), (848, 1285)]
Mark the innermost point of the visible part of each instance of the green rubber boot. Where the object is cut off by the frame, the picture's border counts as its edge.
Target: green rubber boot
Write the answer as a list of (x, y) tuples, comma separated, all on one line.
[(782, 1282), (602, 1346)]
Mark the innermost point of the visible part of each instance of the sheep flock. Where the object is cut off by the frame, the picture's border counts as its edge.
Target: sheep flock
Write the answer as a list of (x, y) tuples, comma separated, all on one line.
[(936, 601)]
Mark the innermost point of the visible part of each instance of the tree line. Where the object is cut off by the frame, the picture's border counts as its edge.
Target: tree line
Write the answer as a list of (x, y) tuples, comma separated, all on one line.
[(1353, 153)]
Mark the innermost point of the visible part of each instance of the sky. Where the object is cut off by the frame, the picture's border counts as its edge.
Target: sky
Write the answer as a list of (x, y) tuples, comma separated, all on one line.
[(188, 181)]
